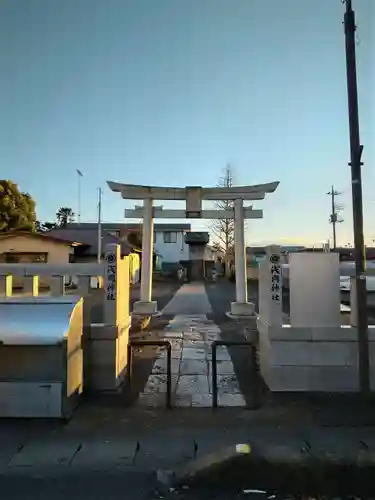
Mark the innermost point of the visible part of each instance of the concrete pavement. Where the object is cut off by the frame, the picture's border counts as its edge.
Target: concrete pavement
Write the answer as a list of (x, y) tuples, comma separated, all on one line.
[(190, 299)]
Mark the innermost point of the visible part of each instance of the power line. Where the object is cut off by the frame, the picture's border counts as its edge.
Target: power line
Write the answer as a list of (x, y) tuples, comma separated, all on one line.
[(334, 216)]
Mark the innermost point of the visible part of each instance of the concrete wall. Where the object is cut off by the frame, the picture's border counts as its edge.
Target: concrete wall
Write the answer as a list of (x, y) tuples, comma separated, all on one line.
[(312, 359), (314, 352)]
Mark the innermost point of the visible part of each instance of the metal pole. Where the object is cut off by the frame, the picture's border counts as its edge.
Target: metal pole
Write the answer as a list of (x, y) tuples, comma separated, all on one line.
[(355, 163), (80, 174), (79, 199), (333, 217), (100, 226)]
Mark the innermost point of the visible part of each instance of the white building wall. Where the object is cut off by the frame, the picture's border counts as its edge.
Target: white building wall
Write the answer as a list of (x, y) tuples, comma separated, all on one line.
[(172, 252)]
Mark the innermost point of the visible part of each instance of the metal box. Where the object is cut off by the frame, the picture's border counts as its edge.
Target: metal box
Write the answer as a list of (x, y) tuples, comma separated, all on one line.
[(41, 356)]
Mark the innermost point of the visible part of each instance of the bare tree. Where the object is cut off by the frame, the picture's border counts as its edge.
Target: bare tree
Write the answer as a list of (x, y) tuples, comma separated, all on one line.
[(223, 229)]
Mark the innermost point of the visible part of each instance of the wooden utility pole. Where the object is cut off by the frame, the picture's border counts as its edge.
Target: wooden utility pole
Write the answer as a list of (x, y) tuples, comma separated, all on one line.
[(355, 164)]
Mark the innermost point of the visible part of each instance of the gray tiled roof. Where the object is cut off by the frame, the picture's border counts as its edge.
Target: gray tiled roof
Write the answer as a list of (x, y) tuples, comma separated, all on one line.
[(89, 237)]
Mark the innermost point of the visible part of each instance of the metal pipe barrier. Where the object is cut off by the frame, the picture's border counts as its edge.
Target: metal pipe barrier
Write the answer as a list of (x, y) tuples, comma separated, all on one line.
[(236, 343), (153, 343)]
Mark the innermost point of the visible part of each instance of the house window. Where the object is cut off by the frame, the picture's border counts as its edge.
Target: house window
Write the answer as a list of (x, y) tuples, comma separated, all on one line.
[(10, 258), (25, 257), (170, 237)]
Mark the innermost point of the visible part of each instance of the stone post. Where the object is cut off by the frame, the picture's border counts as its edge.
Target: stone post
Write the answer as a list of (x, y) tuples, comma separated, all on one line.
[(6, 285), (57, 285), (31, 285), (108, 342)]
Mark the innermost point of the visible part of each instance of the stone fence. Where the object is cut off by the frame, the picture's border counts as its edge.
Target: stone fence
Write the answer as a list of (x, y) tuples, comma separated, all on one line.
[(312, 350), (106, 316)]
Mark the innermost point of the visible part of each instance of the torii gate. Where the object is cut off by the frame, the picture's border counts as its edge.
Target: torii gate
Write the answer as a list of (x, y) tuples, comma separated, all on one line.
[(193, 195)]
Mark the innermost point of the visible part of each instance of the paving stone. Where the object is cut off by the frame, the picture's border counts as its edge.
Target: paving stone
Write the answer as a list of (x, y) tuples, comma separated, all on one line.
[(212, 337), (202, 400), (193, 367), (106, 453), (182, 400), (222, 368), (172, 335), (197, 344), (10, 444), (231, 400), (160, 366), (197, 336), (192, 384), (157, 452), (158, 383), (222, 354), (193, 353), (177, 354), (152, 400), (45, 453), (227, 384)]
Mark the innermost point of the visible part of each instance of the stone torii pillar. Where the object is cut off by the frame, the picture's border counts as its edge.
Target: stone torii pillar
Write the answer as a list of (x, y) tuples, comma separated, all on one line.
[(241, 307), (146, 306)]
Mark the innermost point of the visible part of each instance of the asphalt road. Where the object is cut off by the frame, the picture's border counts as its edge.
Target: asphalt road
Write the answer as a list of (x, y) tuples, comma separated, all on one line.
[(106, 486)]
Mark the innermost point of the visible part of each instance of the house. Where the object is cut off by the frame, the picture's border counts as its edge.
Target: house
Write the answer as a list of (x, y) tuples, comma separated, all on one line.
[(87, 251), (22, 247), (26, 247), (169, 239)]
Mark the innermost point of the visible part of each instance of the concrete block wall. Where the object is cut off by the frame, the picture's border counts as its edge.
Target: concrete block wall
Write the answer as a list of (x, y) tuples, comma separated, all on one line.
[(312, 359), (106, 311), (314, 352), (107, 365)]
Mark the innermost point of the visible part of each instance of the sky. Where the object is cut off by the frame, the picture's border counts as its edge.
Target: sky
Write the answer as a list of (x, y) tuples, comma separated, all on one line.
[(168, 92)]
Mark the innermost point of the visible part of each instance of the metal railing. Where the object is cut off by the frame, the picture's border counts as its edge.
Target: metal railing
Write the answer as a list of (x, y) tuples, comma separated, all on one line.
[(153, 343), (235, 343)]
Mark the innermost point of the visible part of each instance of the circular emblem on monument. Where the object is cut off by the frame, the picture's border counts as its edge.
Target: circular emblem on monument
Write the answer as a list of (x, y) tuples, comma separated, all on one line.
[(110, 257), (275, 259)]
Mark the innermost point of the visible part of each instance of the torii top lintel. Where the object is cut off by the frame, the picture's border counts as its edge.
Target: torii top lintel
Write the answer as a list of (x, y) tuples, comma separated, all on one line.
[(139, 192)]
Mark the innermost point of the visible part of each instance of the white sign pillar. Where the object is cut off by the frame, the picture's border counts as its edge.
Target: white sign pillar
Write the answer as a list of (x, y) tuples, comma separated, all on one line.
[(146, 306), (241, 307)]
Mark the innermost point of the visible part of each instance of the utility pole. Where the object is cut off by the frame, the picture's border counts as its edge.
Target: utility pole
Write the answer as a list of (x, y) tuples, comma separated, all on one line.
[(355, 164), (100, 226), (334, 217)]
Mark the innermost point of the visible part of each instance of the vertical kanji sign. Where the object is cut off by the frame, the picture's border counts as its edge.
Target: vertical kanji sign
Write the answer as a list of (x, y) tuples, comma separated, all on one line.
[(111, 263), (275, 269)]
